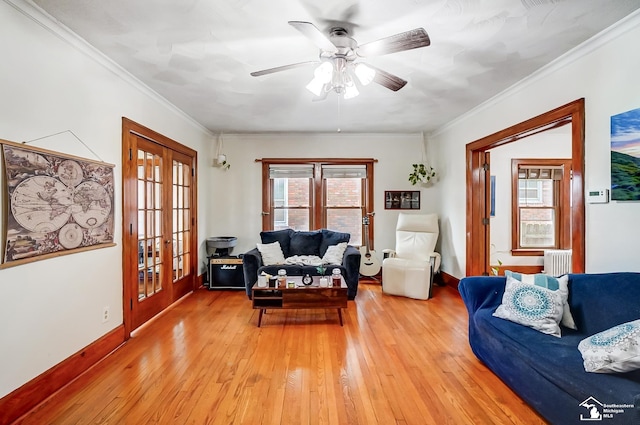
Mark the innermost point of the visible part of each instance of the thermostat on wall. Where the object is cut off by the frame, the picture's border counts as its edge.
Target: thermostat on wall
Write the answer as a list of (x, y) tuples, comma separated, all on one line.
[(598, 196)]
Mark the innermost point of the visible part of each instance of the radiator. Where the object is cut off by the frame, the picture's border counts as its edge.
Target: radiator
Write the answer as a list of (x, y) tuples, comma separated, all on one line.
[(557, 262)]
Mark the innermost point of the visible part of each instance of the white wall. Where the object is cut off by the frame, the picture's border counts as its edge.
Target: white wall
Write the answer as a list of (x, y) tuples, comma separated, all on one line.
[(236, 203), (555, 143), (51, 82), (605, 72)]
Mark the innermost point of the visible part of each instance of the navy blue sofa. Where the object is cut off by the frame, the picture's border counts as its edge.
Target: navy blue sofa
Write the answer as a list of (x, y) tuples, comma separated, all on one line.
[(303, 243), (545, 371)]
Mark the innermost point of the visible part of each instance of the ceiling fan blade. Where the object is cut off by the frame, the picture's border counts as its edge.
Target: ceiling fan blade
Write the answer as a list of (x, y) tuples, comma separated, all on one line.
[(314, 34), (396, 43), (281, 68), (390, 81)]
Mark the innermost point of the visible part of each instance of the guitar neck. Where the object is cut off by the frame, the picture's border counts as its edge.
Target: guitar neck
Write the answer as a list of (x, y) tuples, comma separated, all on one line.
[(366, 238)]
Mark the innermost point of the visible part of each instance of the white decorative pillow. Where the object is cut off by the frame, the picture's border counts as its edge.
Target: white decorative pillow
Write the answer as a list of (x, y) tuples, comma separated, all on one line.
[(271, 253), (615, 350), (531, 305), (554, 283), (334, 253)]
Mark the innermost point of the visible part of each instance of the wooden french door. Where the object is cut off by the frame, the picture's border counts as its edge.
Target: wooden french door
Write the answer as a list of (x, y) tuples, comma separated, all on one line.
[(159, 223)]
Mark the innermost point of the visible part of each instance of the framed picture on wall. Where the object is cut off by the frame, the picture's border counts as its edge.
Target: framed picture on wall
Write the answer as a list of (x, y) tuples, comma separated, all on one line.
[(625, 156), (401, 199)]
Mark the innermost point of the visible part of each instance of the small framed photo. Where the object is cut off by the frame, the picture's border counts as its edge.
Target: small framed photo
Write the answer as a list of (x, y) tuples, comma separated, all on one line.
[(401, 199)]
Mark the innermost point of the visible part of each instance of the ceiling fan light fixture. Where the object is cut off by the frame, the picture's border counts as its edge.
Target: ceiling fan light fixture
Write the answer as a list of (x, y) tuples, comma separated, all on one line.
[(364, 73), (338, 51), (315, 86), (321, 76), (350, 91), (324, 72)]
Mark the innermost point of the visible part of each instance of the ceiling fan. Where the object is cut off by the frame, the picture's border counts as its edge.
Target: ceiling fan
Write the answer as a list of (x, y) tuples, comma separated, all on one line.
[(338, 59)]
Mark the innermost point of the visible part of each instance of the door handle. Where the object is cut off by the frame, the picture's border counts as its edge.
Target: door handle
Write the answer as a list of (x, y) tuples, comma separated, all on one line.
[(263, 213)]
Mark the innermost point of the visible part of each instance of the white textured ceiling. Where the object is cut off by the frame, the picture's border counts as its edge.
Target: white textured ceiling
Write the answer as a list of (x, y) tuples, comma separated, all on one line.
[(198, 54)]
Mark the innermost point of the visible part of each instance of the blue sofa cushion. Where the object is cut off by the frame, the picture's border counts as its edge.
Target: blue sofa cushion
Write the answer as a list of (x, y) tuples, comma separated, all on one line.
[(331, 237), (602, 301), (305, 243), (282, 236)]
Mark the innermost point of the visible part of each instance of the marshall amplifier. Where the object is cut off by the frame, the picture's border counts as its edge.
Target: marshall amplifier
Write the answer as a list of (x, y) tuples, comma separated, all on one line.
[(226, 272)]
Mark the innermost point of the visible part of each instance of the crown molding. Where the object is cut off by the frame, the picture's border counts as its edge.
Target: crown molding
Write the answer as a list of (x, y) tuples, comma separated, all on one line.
[(604, 37), (58, 29)]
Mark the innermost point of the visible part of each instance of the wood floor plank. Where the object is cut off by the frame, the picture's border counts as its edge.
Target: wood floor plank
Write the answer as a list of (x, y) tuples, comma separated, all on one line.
[(395, 361)]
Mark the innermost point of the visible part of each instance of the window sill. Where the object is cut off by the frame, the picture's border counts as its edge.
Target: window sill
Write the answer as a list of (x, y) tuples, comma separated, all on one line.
[(527, 252)]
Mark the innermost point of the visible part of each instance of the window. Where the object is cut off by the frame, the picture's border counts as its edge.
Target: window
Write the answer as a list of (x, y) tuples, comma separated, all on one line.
[(280, 216), (313, 194), (290, 186), (541, 205)]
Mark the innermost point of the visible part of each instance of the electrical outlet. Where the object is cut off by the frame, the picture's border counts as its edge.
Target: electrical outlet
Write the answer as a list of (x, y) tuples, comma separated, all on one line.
[(105, 314)]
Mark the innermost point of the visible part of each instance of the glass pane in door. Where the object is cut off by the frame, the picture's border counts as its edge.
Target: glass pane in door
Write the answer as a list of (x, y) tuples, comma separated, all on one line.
[(181, 214), (150, 244)]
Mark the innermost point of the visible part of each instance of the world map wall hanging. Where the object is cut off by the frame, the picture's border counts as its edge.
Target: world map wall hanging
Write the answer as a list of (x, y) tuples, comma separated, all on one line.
[(55, 204)]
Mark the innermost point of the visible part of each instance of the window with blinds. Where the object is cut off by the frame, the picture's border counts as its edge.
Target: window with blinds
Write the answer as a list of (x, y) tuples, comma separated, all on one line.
[(291, 187), (343, 190), (315, 194)]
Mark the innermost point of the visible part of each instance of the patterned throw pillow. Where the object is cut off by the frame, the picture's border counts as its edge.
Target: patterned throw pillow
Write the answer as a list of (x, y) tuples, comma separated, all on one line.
[(615, 350), (554, 284), (531, 305), (271, 253)]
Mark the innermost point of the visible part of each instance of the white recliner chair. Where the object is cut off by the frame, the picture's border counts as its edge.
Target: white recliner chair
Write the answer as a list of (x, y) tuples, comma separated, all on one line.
[(408, 270)]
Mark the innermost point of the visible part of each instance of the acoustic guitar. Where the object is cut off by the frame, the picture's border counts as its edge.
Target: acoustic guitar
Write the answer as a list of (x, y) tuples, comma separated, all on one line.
[(369, 262)]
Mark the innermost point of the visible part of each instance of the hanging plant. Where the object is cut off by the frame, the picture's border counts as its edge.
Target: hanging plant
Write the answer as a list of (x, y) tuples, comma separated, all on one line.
[(421, 174), (222, 162), (221, 159)]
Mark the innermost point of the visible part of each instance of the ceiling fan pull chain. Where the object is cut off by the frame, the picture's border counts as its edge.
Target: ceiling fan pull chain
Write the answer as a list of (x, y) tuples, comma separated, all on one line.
[(339, 113)]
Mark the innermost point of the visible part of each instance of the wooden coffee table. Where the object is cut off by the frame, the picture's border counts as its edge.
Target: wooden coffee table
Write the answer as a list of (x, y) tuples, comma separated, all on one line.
[(300, 297)]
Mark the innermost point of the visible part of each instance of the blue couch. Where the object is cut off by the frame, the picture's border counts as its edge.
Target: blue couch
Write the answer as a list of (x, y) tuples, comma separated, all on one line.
[(545, 371), (304, 243)]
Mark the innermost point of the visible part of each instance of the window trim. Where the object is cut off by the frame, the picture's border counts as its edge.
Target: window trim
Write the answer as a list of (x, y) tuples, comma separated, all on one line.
[(317, 217), (562, 207)]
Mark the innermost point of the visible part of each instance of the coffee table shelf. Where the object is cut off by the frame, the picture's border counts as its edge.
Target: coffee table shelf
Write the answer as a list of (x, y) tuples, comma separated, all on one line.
[(300, 297), (263, 298)]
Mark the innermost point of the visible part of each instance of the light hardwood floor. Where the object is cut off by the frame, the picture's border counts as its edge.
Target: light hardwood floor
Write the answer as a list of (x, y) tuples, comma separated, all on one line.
[(395, 361)]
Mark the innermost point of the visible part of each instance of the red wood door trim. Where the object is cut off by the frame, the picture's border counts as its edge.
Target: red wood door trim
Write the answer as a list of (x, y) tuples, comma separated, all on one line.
[(477, 261)]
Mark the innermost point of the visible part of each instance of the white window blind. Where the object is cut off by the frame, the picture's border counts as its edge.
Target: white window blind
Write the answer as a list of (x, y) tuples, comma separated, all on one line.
[(344, 171), (302, 171), (534, 172)]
